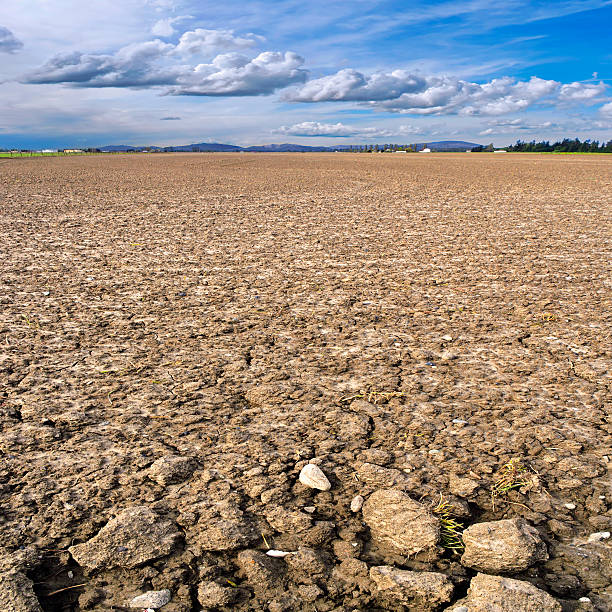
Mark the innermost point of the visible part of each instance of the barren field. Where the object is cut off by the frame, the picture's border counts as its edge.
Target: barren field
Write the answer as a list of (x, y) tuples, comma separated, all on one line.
[(182, 334)]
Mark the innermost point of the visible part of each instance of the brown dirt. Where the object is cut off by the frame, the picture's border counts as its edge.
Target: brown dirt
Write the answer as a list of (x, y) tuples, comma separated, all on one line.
[(253, 312)]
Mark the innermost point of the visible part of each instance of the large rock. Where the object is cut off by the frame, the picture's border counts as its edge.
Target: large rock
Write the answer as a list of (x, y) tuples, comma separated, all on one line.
[(499, 594), (417, 590), (133, 537), (399, 522), (17, 593), (504, 547)]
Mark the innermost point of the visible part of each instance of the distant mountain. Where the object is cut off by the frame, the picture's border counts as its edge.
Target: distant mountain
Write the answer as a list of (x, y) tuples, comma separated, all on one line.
[(443, 145), (448, 145)]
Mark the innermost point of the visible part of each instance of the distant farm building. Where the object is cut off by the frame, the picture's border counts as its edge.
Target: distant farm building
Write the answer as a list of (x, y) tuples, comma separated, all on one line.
[(401, 151), (500, 151), (425, 150)]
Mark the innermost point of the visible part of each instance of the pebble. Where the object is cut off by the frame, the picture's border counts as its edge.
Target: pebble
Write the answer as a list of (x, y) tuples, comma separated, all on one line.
[(278, 553), (584, 600), (600, 535), (356, 503), (151, 599), (461, 609), (447, 338), (460, 422), (313, 477), (309, 509), (570, 506)]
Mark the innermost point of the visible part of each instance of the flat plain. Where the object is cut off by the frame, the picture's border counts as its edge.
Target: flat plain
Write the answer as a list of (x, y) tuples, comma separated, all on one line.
[(433, 324)]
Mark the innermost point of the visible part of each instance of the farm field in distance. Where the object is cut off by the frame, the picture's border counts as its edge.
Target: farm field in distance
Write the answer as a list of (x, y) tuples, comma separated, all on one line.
[(437, 325)]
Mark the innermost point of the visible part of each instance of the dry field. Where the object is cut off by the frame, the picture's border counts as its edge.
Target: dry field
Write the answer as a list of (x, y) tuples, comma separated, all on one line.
[(437, 325)]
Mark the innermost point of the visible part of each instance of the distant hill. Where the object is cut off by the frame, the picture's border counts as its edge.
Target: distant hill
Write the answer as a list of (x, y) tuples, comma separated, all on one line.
[(448, 145), (443, 145)]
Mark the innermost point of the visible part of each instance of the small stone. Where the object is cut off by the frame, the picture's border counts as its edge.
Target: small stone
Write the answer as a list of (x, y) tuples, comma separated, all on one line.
[(17, 593), (585, 600), (461, 609), (510, 545), (570, 506), (599, 536), (310, 509), (357, 503), (447, 338), (312, 476), (459, 422), (151, 599), (401, 523), (487, 593), (418, 590)]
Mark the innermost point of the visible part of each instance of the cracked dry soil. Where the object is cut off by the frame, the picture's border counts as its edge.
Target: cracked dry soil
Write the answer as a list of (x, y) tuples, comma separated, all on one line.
[(409, 322)]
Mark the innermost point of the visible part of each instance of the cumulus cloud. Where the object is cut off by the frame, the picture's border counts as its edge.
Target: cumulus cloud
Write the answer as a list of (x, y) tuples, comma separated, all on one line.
[(154, 63), (400, 91), (9, 43), (131, 66), (339, 130), (232, 74), (582, 92), (201, 41), (606, 110), (165, 27)]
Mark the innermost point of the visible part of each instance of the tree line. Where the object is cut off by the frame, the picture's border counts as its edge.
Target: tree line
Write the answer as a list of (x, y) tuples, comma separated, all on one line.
[(567, 145)]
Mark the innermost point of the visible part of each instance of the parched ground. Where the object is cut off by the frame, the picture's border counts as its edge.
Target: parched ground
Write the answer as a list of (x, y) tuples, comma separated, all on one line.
[(408, 322)]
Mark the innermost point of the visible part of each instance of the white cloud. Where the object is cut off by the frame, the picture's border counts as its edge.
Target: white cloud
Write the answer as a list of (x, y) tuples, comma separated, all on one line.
[(165, 27), (9, 43), (338, 130), (582, 92), (403, 92), (232, 74), (606, 109), (201, 41), (153, 63)]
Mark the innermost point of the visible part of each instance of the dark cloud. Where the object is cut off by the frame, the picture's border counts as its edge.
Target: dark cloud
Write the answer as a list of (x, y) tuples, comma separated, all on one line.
[(170, 118), (9, 43)]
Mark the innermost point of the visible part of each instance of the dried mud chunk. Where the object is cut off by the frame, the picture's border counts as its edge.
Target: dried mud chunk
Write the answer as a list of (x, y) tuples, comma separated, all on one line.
[(287, 521), (417, 590), (222, 526), (506, 546), (171, 469), (17, 593), (133, 537), (379, 476), (487, 593), (399, 522), (462, 487), (262, 572), (306, 563), (211, 595)]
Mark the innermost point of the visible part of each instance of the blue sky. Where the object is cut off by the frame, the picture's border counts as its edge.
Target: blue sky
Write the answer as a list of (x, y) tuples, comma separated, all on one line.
[(314, 72)]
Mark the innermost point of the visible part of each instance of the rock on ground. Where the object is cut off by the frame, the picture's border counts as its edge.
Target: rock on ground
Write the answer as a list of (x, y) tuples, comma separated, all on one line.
[(134, 536), (500, 594), (506, 546), (151, 599), (17, 593), (313, 477), (399, 522), (417, 590)]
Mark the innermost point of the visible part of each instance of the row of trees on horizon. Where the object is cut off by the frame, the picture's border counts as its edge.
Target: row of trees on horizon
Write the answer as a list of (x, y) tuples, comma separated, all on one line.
[(566, 145)]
